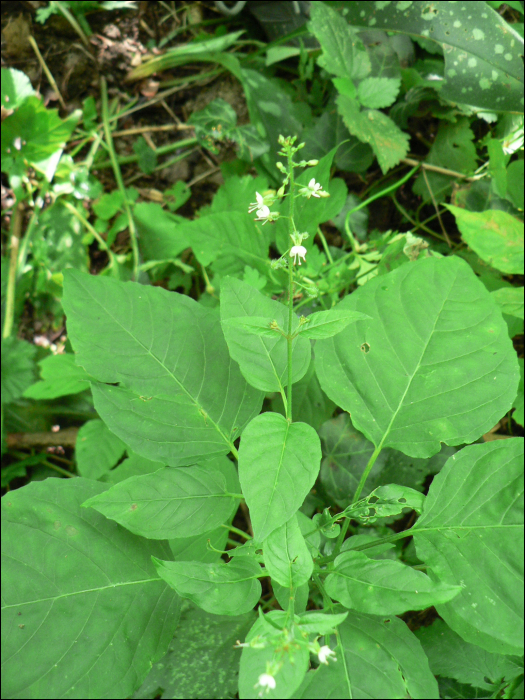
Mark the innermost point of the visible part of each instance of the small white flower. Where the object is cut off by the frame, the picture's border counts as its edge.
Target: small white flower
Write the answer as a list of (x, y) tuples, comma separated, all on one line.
[(311, 190), (298, 251), (259, 204), (326, 653), (266, 683), (264, 214)]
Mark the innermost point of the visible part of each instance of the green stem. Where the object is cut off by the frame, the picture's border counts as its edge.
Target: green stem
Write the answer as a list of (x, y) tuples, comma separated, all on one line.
[(118, 178), (289, 340), (73, 22), (26, 241), (290, 611), (162, 150), (237, 532), (14, 240), (325, 246), (322, 561), (327, 601), (360, 486), (384, 192), (102, 243), (364, 476)]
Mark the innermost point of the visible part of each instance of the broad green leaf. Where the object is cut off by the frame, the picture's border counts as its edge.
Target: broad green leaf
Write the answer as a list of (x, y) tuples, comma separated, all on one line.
[(275, 54), (379, 550), (344, 53), (16, 86), (378, 93), (471, 532), (383, 587), (313, 539), (384, 502), (376, 658), (300, 596), (449, 688), (222, 589), (195, 548), (495, 235), (286, 555), (147, 157), (347, 452), (263, 361), (435, 365), (254, 661), (386, 139), (515, 183), (255, 325), (325, 324), (510, 300), (482, 52), (84, 614), (33, 133), (278, 465), (97, 450), (180, 398), (237, 193), (230, 237), (345, 87), (251, 548), (161, 237), (202, 661), (498, 160), (329, 131), (450, 656), (315, 622), (518, 401), (170, 503), (272, 112), (176, 195), (60, 377), (18, 367), (132, 465)]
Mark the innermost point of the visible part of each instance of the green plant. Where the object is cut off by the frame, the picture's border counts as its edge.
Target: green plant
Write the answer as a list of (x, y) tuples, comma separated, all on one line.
[(418, 357), (279, 482)]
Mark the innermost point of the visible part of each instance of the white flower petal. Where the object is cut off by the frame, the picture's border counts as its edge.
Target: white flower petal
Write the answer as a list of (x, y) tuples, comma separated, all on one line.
[(298, 251), (326, 653)]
